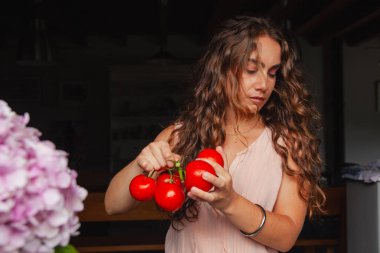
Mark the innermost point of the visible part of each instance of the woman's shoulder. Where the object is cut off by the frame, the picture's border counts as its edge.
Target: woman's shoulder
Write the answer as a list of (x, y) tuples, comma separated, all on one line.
[(169, 135), (165, 134), (270, 132)]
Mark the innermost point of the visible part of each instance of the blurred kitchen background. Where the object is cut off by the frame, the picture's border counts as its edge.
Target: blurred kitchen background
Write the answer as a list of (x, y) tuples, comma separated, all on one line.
[(101, 78)]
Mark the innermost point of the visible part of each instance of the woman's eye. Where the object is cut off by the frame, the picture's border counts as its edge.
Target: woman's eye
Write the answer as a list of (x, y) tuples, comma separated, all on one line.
[(273, 74)]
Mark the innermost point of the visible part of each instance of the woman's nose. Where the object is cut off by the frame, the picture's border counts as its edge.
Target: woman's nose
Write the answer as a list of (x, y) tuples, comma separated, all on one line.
[(261, 80)]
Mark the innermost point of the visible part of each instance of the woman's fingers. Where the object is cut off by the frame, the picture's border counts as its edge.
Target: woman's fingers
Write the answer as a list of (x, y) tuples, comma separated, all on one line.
[(144, 164), (219, 170), (217, 181), (220, 150), (156, 155), (169, 157), (193, 194), (222, 192), (199, 195)]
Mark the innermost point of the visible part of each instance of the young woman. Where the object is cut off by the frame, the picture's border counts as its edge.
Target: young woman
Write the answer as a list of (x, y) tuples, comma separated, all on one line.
[(250, 104)]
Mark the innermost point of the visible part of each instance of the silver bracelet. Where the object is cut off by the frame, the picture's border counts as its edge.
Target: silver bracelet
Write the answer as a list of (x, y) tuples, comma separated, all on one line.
[(256, 232)]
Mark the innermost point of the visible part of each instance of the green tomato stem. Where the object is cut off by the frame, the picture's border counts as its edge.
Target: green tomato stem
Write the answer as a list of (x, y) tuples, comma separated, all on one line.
[(181, 174), (180, 171), (150, 174), (171, 175)]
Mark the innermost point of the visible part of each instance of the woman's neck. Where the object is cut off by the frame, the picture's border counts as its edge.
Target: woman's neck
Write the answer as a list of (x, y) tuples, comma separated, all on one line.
[(242, 126)]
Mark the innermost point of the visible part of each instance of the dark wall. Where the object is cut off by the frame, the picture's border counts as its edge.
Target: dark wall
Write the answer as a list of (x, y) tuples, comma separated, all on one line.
[(67, 101)]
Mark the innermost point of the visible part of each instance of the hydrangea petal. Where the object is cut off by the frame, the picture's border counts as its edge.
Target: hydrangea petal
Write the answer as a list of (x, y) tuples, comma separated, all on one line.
[(16, 179), (4, 235), (63, 180), (32, 245), (39, 196), (6, 205), (51, 197), (45, 230), (59, 218)]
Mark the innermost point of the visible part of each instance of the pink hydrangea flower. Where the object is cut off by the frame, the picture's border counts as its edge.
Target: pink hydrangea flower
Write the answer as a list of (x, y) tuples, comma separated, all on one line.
[(39, 195)]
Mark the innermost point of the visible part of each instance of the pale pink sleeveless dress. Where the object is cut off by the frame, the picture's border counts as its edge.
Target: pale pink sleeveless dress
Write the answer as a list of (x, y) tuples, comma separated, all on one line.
[(257, 175)]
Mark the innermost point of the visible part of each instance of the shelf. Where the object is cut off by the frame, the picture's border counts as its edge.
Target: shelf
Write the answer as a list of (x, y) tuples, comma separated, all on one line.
[(144, 99)]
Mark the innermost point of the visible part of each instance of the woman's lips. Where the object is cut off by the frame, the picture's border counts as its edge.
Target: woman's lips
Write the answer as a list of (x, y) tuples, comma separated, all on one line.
[(257, 100)]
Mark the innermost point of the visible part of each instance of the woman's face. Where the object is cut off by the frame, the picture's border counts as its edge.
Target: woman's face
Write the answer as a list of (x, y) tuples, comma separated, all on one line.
[(259, 75)]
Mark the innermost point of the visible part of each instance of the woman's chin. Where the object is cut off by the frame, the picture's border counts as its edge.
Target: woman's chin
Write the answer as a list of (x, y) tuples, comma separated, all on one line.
[(253, 110), (250, 113)]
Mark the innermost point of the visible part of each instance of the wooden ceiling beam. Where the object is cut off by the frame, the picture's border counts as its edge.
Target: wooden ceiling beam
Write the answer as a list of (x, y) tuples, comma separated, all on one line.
[(325, 16), (354, 33), (372, 17), (354, 30), (365, 31)]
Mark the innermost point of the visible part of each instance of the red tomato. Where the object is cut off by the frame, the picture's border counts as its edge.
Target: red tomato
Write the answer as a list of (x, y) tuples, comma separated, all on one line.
[(212, 154), (165, 178), (194, 171), (142, 188), (169, 197)]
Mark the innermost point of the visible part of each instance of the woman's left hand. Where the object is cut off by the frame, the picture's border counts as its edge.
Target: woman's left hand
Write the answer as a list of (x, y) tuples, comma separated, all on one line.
[(222, 195)]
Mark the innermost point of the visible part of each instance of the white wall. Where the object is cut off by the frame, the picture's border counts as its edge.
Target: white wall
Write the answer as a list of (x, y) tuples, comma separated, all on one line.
[(361, 69)]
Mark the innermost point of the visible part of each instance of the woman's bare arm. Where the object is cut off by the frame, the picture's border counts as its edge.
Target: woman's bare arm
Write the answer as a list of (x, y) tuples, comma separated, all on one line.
[(282, 225), (154, 156)]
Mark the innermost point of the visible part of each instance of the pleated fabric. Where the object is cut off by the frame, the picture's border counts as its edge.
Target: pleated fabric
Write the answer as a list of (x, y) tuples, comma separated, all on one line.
[(256, 174)]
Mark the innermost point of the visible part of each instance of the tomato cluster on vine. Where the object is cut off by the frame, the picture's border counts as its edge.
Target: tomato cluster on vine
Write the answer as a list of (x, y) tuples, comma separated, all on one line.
[(169, 189)]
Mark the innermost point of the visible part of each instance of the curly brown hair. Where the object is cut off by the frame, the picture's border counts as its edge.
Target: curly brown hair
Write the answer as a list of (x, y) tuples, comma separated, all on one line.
[(289, 112)]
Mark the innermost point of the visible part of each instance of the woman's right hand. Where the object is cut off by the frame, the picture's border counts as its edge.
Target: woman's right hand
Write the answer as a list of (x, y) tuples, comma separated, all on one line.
[(156, 155)]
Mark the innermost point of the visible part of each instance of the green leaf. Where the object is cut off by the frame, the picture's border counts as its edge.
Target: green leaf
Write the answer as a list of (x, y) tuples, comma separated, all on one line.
[(67, 249)]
